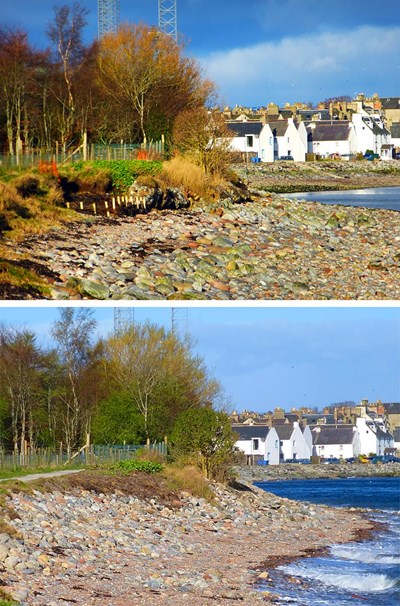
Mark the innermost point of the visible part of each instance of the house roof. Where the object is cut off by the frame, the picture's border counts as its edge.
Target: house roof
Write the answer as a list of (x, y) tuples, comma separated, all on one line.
[(308, 114), (284, 431), (313, 418), (390, 102), (248, 432), (241, 129), (392, 408), (330, 131), (395, 130), (286, 113), (278, 127), (333, 435)]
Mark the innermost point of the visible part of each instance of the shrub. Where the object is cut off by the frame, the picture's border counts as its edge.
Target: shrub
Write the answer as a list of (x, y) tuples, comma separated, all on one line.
[(204, 437), (28, 185), (124, 172), (136, 465)]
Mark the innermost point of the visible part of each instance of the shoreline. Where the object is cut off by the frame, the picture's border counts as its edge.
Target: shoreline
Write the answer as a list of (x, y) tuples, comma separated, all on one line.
[(161, 550), (268, 249), (297, 471)]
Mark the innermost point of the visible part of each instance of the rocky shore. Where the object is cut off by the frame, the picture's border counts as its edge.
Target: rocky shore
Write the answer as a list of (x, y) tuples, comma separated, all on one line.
[(296, 471), (269, 248), (135, 542)]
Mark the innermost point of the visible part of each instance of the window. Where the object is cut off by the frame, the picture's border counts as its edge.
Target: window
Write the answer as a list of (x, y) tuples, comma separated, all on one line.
[(249, 140), (256, 443)]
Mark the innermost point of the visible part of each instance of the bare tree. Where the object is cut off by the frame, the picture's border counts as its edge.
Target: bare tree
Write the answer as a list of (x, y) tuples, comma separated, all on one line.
[(20, 365), (65, 32), (73, 333)]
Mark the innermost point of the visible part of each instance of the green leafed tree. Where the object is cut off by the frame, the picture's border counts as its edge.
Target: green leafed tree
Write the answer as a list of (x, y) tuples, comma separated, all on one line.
[(204, 437), (160, 375)]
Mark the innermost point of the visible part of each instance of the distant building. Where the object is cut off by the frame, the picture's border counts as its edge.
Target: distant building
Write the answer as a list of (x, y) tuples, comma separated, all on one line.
[(336, 441), (258, 443)]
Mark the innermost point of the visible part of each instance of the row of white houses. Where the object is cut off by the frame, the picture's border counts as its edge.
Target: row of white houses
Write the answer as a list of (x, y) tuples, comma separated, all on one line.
[(278, 138), (291, 442)]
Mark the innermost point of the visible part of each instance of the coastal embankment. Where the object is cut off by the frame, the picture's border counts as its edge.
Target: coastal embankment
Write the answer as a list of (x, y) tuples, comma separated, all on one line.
[(270, 248), (247, 242), (93, 539)]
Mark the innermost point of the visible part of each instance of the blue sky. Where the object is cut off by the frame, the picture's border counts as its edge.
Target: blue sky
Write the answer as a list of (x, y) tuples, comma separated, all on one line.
[(266, 50), (267, 356)]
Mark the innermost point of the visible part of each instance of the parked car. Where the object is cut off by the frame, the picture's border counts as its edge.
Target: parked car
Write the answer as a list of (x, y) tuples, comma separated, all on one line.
[(286, 158)]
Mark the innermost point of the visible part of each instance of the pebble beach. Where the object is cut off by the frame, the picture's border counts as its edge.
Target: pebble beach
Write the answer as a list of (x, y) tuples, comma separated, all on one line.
[(269, 248), (123, 547)]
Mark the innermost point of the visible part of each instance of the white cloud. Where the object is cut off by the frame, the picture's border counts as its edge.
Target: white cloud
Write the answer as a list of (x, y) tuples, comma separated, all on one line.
[(315, 66)]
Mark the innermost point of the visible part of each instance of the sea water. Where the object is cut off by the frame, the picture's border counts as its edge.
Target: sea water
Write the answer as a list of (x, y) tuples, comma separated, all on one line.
[(353, 574), (378, 197)]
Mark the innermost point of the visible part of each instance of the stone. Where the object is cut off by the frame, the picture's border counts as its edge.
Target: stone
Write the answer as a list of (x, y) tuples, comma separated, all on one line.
[(94, 290)]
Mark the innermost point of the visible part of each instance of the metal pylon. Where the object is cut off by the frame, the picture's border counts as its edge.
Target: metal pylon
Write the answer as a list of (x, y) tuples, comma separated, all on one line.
[(179, 321), (124, 319), (108, 12), (167, 21)]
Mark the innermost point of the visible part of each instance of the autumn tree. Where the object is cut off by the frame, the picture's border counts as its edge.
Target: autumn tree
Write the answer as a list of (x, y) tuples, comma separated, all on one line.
[(203, 137), (21, 368), (17, 70), (146, 72)]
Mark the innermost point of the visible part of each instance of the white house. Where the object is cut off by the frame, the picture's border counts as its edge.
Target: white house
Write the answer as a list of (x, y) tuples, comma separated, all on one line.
[(332, 137), (252, 139), (292, 442), (288, 139), (374, 437), (371, 132), (336, 441), (308, 437), (258, 442)]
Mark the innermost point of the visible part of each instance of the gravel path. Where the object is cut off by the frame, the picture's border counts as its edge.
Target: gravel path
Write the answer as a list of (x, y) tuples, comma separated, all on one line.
[(117, 549), (270, 248)]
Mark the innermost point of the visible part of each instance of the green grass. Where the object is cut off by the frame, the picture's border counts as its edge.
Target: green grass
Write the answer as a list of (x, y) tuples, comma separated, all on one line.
[(135, 465), (123, 172)]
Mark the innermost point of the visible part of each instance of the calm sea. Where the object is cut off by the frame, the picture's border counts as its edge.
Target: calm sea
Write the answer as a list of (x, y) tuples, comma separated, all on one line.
[(380, 197), (355, 574)]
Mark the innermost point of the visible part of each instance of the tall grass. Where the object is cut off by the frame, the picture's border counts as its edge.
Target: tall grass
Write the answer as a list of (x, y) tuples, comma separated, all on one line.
[(188, 479), (180, 172)]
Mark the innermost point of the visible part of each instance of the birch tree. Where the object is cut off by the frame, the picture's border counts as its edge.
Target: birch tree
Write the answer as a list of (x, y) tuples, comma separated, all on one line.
[(160, 374), (73, 333), (65, 32)]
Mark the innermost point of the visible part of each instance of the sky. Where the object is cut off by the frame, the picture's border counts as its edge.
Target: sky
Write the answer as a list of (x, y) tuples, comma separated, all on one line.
[(266, 355), (279, 51)]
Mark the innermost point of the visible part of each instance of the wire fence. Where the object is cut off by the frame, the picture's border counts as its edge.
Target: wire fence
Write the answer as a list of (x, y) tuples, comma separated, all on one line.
[(124, 151), (87, 455)]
